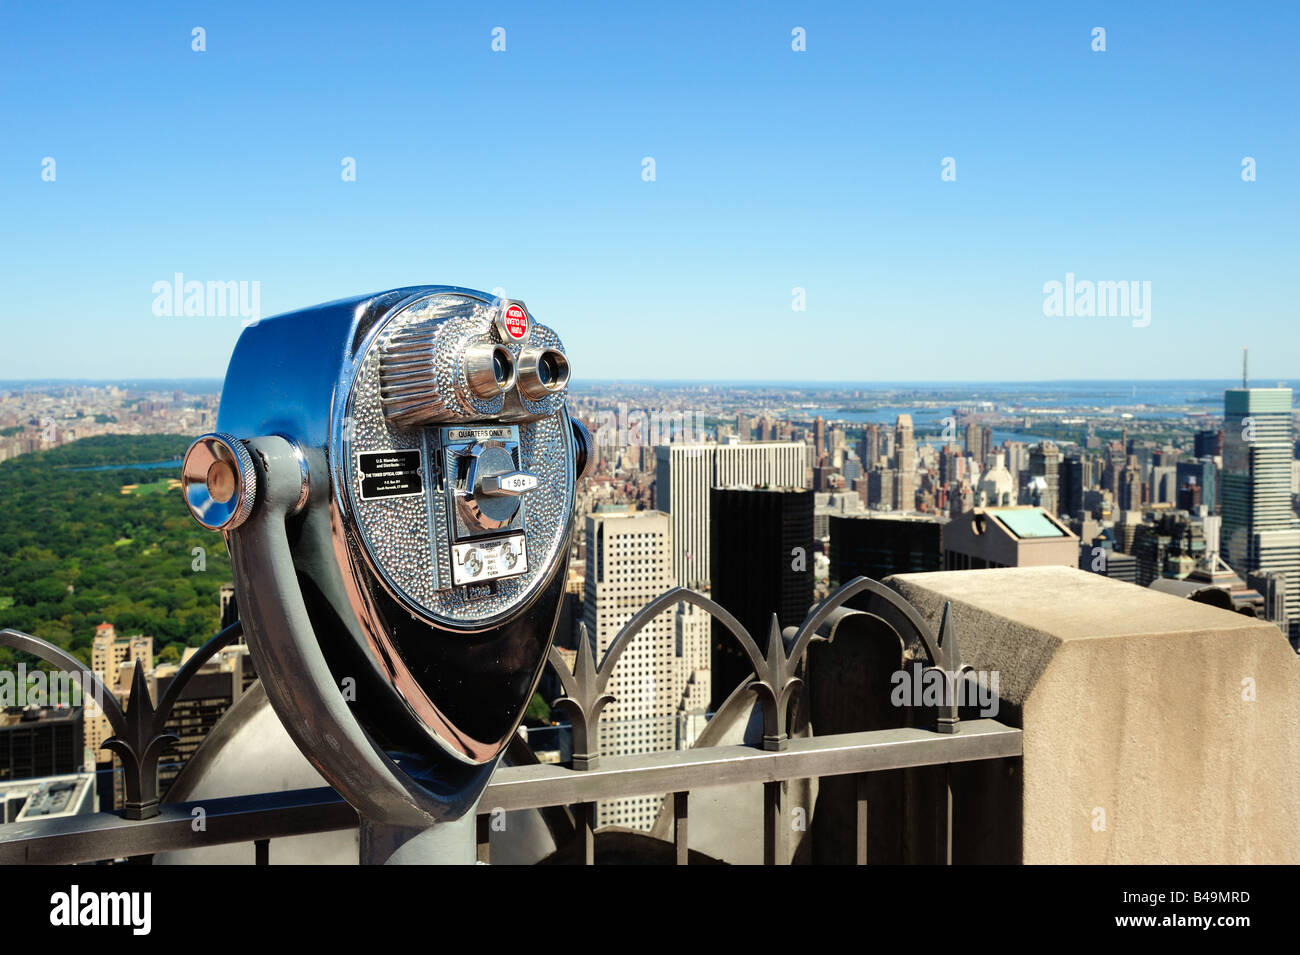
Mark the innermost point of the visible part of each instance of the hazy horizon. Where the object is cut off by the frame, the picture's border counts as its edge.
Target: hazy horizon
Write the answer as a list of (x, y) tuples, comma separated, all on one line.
[(1255, 381)]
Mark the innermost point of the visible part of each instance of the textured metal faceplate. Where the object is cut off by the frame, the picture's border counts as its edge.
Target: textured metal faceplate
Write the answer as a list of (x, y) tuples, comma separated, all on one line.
[(400, 534)]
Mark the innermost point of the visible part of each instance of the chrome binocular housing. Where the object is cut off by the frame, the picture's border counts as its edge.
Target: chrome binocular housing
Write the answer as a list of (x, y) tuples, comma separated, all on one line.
[(395, 475)]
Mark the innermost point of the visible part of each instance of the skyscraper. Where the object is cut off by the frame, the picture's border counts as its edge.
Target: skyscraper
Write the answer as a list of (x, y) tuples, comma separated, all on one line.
[(880, 489), (200, 705), (1045, 463), (1072, 485), (1202, 474), (1129, 493), (684, 473), (109, 653), (1207, 444), (950, 459), (1164, 484), (851, 469), (629, 563), (979, 442), (904, 464), (869, 446), (762, 564), (40, 741), (877, 547), (1260, 530)]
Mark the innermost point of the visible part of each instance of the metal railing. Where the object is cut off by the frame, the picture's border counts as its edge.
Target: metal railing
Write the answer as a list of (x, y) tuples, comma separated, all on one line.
[(567, 795)]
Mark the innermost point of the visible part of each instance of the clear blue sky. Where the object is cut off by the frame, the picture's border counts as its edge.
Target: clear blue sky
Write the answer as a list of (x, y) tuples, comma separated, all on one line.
[(775, 169)]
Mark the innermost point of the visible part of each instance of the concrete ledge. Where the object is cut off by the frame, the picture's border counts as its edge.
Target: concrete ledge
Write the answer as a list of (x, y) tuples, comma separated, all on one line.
[(1156, 730)]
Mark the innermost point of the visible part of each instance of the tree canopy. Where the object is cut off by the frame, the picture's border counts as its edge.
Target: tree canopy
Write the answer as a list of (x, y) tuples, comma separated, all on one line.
[(76, 551)]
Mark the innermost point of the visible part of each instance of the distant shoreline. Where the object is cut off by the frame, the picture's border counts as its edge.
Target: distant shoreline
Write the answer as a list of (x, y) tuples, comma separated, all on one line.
[(203, 385)]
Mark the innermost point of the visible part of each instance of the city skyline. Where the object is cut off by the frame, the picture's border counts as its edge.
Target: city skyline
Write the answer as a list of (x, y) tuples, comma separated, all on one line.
[(738, 383)]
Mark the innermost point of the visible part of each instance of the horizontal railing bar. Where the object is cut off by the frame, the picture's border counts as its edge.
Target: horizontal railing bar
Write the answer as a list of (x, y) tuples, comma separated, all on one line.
[(91, 837), (533, 787), (95, 836)]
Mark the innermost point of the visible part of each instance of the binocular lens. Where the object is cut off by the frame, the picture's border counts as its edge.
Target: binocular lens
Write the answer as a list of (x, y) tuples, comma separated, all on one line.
[(548, 370), (542, 373), (489, 369)]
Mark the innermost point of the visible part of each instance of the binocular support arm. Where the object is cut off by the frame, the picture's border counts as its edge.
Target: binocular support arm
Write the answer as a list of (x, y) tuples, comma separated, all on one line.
[(293, 669)]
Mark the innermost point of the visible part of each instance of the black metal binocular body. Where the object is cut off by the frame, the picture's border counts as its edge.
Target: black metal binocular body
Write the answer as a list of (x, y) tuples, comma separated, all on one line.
[(395, 476)]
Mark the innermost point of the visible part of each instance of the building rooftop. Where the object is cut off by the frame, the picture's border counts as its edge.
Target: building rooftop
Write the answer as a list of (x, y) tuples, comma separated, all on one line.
[(1027, 522)]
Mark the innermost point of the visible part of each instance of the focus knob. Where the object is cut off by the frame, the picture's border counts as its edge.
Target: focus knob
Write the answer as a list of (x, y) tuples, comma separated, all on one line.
[(219, 481)]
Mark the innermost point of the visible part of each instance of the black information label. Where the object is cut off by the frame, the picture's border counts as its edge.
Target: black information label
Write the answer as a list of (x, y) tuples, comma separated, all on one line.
[(389, 474), (390, 485), (388, 462)]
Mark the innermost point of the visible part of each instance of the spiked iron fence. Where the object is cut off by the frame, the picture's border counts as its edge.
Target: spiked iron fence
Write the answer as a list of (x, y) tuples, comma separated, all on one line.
[(566, 795)]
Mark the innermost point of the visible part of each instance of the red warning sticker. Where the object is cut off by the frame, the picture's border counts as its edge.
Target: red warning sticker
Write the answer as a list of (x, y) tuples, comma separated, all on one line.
[(516, 322)]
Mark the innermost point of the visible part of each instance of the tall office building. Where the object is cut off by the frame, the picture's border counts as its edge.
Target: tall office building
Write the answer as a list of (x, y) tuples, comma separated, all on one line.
[(1207, 444), (979, 441), (961, 498), (1272, 588), (109, 655), (904, 464), (684, 474), (1164, 484), (1018, 462), (629, 563), (878, 547), (1260, 530), (869, 446), (202, 702), (1045, 463), (1186, 550), (851, 468), (836, 445), (693, 674), (819, 436), (1116, 460), (38, 741), (880, 489), (744, 427), (1201, 474), (762, 553), (1129, 492), (1073, 476), (950, 464)]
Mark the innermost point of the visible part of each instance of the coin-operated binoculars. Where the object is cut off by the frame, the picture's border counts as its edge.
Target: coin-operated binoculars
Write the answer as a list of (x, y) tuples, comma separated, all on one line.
[(394, 475)]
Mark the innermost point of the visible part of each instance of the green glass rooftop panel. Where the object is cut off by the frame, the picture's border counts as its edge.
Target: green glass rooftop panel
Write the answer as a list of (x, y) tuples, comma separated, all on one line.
[(1028, 523)]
